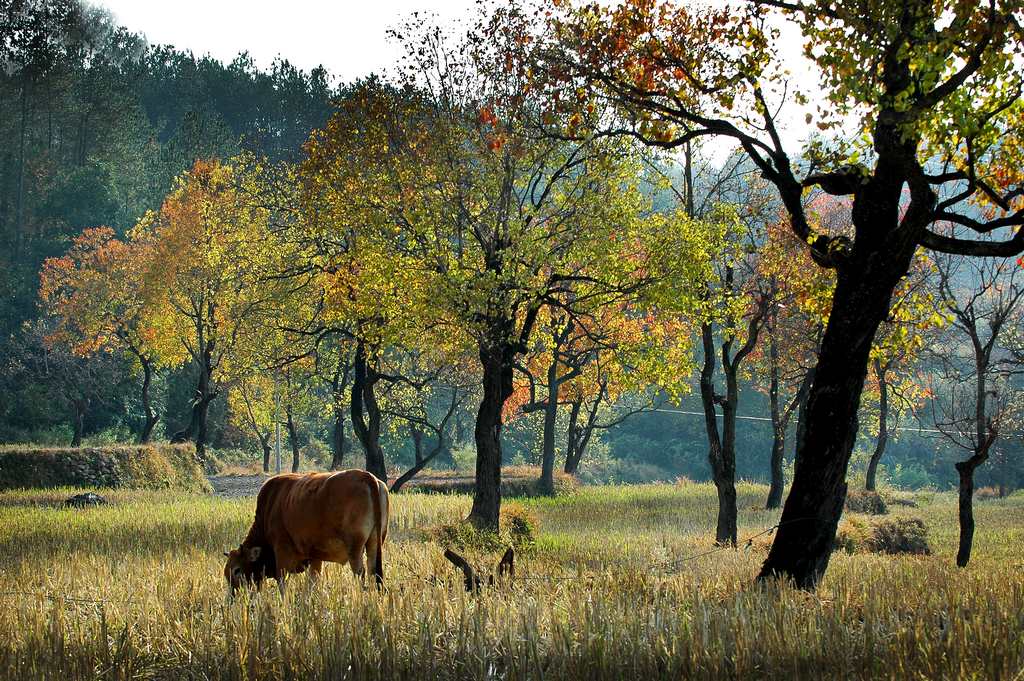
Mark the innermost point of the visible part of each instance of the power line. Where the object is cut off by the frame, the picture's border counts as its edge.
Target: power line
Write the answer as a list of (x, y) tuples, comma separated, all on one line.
[(760, 418)]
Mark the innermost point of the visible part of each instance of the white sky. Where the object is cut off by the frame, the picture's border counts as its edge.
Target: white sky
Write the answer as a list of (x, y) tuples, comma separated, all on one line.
[(346, 36)]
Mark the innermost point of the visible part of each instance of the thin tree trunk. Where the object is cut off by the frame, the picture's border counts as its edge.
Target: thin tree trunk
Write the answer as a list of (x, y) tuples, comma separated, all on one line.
[(267, 449), (201, 409), (883, 427), (338, 441), (725, 527), (293, 438), (19, 205), (727, 511), (547, 470), (78, 422), (572, 451), (497, 364), (339, 385), (417, 443), (151, 417), (202, 421), (778, 481)]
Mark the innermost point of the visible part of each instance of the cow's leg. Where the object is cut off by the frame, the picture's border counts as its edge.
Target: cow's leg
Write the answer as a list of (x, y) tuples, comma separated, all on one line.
[(287, 563)]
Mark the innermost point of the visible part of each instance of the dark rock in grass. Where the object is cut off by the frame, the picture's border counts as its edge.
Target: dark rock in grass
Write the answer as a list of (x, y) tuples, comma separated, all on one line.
[(86, 499)]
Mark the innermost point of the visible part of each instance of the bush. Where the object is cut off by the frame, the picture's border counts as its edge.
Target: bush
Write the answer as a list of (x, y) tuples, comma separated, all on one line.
[(862, 501), (518, 528), (889, 535), (987, 493), (897, 498), (464, 458), (516, 481), (911, 475), (154, 466)]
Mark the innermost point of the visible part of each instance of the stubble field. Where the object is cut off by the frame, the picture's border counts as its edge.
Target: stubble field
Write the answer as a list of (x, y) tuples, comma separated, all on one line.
[(622, 582)]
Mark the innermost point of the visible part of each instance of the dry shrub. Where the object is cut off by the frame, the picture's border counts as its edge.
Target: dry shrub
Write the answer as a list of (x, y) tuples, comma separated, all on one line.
[(888, 535), (987, 493), (862, 501), (896, 498)]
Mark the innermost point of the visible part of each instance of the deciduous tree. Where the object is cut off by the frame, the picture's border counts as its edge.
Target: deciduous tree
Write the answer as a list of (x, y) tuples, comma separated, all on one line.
[(936, 89), (446, 179), (97, 297), (211, 257), (985, 300)]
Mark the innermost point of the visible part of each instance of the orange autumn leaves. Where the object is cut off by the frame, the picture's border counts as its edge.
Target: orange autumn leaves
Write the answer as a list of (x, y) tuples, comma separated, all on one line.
[(97, 294), (185, 276)]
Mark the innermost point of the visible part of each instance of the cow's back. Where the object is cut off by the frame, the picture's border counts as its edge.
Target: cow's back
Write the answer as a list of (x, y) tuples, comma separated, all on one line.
[(321, 514)]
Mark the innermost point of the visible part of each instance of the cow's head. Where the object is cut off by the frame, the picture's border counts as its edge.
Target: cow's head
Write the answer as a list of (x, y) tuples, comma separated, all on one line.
[(245, 565)]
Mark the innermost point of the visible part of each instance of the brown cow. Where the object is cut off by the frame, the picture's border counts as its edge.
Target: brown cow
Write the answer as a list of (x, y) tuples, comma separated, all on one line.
[(305, 519)]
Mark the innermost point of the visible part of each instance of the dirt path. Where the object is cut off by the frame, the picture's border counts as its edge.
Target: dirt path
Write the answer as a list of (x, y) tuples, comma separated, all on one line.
[(235, 486)]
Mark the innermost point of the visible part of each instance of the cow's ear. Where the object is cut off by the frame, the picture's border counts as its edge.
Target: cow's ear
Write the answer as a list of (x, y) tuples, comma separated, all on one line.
[(227, 554), (254, 553)]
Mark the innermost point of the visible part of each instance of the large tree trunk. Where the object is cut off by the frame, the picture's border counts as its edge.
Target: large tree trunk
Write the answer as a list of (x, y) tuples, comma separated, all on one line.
[(367, 426), (803, 544), (778, 481), (496, 362), (721, 472), (801, 410), (966, 469), (547, 467), (151, 417), (293, 439), (883, 427)]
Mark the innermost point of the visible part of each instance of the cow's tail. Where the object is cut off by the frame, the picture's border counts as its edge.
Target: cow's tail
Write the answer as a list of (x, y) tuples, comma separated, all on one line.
[(379, 529)]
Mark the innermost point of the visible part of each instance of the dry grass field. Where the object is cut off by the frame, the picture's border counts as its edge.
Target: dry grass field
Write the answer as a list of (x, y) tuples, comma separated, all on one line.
[(611, 589)]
